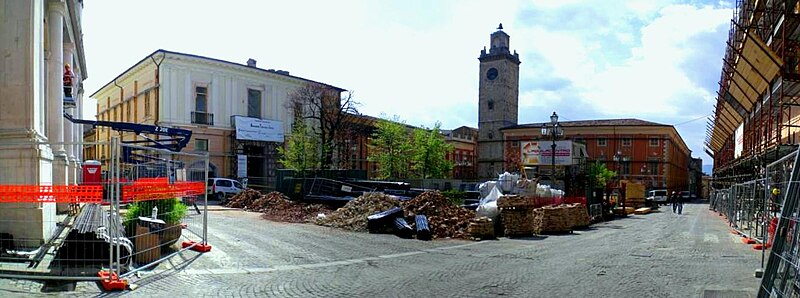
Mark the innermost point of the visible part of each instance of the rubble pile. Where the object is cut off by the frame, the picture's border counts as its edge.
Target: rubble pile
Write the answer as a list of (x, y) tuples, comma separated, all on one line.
[(353, 216), (271, 201), (275, 206), (444, 218), (481, 228), (243, 198)]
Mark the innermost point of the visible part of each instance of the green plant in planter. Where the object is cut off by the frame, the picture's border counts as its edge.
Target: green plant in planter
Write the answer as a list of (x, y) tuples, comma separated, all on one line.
[(171, 211)]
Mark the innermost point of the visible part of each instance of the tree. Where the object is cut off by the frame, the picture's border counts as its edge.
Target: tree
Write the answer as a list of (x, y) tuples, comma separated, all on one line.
[(430, 151), (326, 109), (391, 149), (600, 174), (302, 150)]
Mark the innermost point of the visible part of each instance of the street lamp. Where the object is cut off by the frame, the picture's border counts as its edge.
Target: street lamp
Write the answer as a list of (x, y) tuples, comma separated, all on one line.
[(554, 130)]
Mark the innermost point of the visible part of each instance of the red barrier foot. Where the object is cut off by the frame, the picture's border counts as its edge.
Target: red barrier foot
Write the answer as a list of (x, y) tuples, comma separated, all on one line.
[(112, 282), (200, 247), (746, 240), (761, 246)]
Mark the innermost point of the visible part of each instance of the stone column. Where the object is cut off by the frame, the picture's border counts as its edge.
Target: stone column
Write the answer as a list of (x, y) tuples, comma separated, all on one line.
[(55, 90), (69, 127), (24, 156)]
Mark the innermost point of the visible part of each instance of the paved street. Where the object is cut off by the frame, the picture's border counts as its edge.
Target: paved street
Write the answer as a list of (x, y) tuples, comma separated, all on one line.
[(655, 255)]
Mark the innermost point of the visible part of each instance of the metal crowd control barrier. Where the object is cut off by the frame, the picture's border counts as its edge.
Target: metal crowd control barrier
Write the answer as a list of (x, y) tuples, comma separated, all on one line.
[(780, 275), (143, 207)]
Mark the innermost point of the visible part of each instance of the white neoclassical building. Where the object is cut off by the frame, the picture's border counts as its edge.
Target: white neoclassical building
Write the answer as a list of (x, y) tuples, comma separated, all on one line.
[(207, 96), (37, 146)]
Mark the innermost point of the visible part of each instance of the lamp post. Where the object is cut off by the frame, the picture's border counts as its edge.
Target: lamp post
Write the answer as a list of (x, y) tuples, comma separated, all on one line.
[(554, 130), (617, 159)]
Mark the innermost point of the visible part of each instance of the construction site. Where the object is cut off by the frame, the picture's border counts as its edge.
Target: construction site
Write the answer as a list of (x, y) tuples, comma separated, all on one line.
[(753, 139)]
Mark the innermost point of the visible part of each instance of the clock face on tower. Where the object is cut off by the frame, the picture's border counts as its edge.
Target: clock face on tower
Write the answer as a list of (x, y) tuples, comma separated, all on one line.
[(491, 74)]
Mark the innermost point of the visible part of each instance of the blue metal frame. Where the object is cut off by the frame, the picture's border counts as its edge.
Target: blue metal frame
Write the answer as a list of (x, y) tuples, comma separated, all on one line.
[(179, 137)]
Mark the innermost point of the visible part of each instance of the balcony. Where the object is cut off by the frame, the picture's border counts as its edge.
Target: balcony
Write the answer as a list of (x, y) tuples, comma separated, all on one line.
[(202, 118)]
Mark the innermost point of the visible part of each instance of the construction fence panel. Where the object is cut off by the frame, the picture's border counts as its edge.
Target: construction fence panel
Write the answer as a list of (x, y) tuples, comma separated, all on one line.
[(162, 203), (55, 214), (782, 201)]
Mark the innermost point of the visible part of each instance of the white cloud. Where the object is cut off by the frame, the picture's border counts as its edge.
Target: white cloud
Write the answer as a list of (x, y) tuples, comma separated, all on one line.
[(418, 60)]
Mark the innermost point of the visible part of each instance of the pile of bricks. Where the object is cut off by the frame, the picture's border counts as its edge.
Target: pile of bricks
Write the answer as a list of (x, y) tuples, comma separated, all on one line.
[(481, 228)]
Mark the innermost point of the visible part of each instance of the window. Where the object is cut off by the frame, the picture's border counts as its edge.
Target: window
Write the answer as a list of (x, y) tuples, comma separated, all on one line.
[(626, 167), (602, 142), (238, 185), (654, 142), (515, 143), (491, 104), (626, 142), (200, 99), (253, 103), (652, 168), (147, 103), (579, 140), (224, 183), (201, 144)]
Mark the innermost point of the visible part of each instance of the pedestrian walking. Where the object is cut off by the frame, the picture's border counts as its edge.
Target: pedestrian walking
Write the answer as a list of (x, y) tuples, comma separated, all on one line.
[(673, 198)]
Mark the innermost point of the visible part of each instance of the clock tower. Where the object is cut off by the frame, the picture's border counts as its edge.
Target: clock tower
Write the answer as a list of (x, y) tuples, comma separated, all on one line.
[(498, 97)]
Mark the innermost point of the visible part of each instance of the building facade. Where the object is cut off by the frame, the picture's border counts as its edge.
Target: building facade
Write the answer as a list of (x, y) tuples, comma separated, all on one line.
[(464, 156), (695, 176), (209, 97), (38, 40), (651, 153), (498, 97)]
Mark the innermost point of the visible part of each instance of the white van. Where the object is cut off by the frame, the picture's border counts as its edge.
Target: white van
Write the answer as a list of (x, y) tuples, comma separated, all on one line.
[(219, 188), (658, 196)]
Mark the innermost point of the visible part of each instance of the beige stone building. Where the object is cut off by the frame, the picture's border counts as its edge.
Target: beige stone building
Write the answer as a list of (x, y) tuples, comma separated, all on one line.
[(209, 97), (37, 147)]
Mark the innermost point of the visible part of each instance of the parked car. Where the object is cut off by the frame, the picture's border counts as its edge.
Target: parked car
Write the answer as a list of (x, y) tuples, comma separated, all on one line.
[(220, 188), (658, 196), (686, 196)]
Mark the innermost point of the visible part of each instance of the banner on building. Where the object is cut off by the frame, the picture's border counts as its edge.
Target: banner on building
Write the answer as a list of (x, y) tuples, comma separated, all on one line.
[(241, 166), (536, 153), (738, 141), (254, 129)]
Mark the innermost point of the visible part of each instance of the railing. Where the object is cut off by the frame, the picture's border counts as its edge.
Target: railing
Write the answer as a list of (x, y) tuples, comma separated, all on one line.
[(202, 118)]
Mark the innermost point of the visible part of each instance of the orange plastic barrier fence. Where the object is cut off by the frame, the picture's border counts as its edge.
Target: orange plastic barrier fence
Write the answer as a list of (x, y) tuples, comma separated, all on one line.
[(51, 193), (159, 189)]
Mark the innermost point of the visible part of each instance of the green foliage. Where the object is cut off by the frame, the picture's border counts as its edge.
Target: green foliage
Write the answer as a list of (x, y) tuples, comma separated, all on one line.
[(600, 174), (302, 149), (456, 197), (391, 149), (170, 211), (429, 159)]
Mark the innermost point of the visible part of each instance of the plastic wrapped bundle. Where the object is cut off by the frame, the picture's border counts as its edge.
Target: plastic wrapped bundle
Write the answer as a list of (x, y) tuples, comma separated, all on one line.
[(423, 231), (377, 222), (402, 229)]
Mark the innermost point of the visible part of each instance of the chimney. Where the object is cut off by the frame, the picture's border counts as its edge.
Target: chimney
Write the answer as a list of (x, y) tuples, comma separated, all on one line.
[(251, 62)]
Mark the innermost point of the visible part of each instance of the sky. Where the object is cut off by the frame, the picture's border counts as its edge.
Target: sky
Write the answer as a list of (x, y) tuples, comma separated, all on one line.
[(656, 60)]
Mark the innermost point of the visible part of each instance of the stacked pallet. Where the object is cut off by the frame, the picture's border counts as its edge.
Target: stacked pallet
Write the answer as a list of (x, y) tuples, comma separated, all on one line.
[(551, 219), (635, 202), (517, 214), (481, 228), (578, 215), (517, 221)]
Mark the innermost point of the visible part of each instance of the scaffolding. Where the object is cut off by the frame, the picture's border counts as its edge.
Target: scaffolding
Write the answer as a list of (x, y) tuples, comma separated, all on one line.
[(757, 113)]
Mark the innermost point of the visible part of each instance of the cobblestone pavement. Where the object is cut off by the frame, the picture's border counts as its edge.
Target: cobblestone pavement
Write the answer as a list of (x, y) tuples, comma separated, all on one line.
[(656, 255)]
